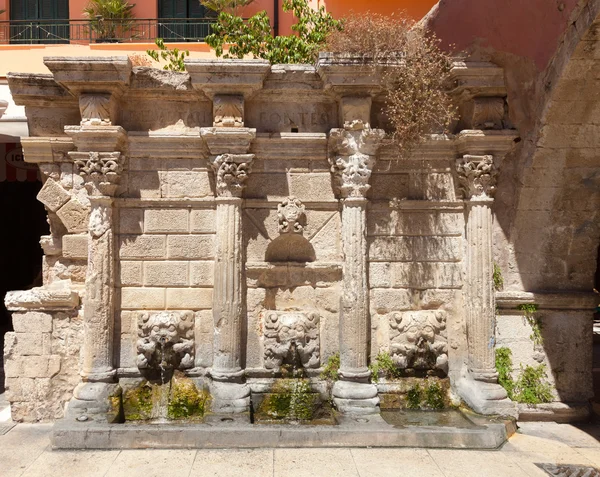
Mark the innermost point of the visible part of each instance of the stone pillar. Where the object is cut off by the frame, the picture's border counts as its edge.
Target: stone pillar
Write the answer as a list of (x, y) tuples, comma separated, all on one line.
[(353, 153), (480, 388), (101, 172), (230, 393)]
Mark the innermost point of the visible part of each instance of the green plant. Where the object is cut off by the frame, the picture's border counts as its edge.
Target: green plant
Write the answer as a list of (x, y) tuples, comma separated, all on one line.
[(414, 396), (110, 19), (384, 364), (291, 399), (415, 78), (504, 368), (498, 279), (531, 387), (253, 37), (174, 58), (331, 368), (230, 6), (434, 396), (529, 311)]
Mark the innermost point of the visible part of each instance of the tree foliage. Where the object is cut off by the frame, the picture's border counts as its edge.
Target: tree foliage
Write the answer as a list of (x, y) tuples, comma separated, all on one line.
[(110, 18), (253, 37), (232, 7), (174, 57)]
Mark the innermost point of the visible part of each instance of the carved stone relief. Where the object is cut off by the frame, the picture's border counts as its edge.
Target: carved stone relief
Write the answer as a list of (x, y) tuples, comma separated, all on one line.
[(488, 113), (476, 176), (166, 340), (231, 173), (356, 112), (228, 111), (291, 215), (291, 336), (95, 109), (418, 339)]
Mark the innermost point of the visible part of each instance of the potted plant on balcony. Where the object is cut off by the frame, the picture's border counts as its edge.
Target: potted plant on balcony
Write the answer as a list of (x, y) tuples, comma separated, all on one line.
[(110, 20)]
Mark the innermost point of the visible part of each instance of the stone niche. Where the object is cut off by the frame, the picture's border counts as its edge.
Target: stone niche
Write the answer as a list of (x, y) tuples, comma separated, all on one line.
[(240, 217)]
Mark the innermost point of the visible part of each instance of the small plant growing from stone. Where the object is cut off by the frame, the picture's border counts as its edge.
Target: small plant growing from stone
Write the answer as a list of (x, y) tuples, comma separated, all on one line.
[(331, 368), (434, 396), (384, 366), (174, 58), (529, 312), (504, 368), (414, 396), (497, 277), (186, 401)]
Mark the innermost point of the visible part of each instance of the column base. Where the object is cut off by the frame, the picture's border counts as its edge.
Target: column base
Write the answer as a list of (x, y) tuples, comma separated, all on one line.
[(96, 401), (486, 398), (230, 397), (355, 398)]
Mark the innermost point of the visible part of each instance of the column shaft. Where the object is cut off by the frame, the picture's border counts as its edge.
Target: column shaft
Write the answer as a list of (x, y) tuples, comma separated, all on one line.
[(227, 295), (98, 318)]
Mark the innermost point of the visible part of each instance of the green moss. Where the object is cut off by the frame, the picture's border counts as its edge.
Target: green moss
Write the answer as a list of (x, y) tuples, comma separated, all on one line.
[(292, 399), (531, 386), (384, 366), (137, 403), (330, 371), (497, 277), (186, 400)]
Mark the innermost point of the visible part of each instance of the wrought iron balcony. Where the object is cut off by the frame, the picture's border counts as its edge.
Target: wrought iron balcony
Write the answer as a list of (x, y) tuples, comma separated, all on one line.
[(104, 31)]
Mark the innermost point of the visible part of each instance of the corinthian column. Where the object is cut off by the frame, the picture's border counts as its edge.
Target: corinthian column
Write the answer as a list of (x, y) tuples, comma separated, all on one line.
[(101, 173), (230, 393), (480, 388), (353, 154)]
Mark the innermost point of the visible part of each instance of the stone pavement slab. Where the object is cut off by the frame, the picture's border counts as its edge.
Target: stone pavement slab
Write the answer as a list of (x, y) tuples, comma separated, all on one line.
[(387, 462), (312, 462), (233, 463)]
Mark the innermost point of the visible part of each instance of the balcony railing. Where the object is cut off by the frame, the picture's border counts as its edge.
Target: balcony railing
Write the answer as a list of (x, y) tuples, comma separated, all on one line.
[(104, 31)]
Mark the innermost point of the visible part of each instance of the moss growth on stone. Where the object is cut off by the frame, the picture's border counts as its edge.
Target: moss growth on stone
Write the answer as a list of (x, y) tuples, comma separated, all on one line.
[(291, 399), (186, 401), (384, 366), (330, 371), (434, 396), (137, 403), (498, 279), (414, 396)]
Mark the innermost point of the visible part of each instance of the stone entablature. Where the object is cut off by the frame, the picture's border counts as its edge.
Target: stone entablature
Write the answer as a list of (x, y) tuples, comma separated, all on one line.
[(179, 197)]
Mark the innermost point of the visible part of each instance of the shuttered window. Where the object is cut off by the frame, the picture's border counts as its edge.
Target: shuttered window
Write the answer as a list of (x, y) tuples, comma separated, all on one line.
[(177, 20), (45, 21)]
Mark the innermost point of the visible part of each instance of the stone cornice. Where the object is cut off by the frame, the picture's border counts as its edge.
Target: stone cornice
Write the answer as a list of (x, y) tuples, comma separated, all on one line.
[(228, 140), (46, 149), (471, 79), (547, 300), (188, 145), (56, 296)]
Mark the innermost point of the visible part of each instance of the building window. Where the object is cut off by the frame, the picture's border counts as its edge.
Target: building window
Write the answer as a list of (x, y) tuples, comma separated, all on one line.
[(39, 21), (183, 20)]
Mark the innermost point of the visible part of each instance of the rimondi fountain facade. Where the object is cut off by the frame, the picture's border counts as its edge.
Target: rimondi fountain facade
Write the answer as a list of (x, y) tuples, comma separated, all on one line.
[(229, 221)]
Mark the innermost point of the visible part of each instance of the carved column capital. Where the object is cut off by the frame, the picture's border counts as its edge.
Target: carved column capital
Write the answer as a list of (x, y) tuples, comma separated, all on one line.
[(101, 171), (231, 173), (352, 158), (476, 177)]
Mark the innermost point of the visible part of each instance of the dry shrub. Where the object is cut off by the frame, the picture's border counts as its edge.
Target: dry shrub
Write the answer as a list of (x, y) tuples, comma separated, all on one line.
[(137, 59), (414, 74)]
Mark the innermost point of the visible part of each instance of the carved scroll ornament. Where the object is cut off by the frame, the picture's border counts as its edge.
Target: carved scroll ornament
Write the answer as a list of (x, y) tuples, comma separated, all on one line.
[(291, 215), (95, 109), (166, 340), (476, 176), (287, 333), (418, 339)]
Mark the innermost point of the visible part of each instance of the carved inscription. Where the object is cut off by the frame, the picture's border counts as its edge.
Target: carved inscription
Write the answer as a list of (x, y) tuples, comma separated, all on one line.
[(291, 337)]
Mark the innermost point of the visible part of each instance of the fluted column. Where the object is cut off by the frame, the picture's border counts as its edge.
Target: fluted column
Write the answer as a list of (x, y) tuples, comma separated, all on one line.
[(230, 393), (480, 388), (353, 154), (101, 173)]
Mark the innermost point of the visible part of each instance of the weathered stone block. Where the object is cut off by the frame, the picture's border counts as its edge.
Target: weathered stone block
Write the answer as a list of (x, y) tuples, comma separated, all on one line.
[(402, 222), (189, 298), (75, 246), (142, 298), (388, 186), (385, 300), (144, 184), (130, 273), (427, 275), (131, 221), (203, 333), (202, 221), (53, 195), (75, 216), (32, 322), (190, 247), (40, 366), (403, 249), (143, 246), (202, 273), (380, 275), (187, 184), (166, 220), (168, 274), (29, 344), (311, 187)]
